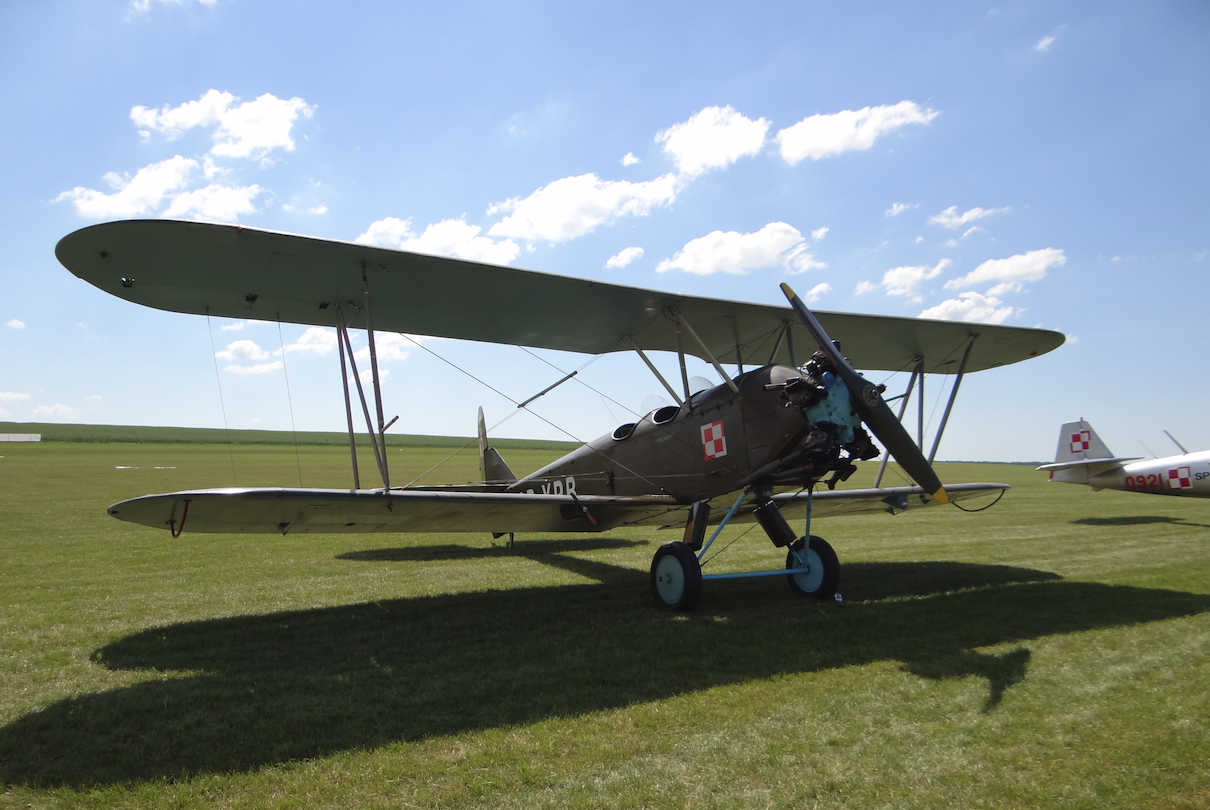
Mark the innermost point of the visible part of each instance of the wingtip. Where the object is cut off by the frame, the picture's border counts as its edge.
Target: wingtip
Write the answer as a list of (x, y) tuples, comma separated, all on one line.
[(785, 288), (940, 496)]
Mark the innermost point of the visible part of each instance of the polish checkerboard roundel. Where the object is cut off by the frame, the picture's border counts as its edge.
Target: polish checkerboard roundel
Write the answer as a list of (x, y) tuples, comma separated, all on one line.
[(1180, 478), (1081, 441), (714, 443)]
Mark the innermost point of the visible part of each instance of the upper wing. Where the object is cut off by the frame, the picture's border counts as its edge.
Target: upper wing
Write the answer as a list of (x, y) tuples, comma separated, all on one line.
[(311, 511), (237, 272)]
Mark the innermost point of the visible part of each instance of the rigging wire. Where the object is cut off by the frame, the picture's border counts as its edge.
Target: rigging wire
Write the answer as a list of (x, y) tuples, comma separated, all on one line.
[(289, 399), (222, 404)]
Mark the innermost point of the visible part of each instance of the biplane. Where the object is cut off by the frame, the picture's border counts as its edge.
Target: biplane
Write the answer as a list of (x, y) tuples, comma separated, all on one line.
[(755, 447)]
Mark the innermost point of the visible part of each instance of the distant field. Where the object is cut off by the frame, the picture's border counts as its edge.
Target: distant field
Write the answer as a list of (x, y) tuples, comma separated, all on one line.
[(124, 434), (1052, 651)]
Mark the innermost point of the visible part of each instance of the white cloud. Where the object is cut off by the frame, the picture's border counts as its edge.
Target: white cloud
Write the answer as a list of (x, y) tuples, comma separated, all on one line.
[(821, 136), (817, 292), (1044, 43), (15, 324), (972, 307), (713, 138), (1030, 266), (898, 208), (387, 346), (214, 202), (144, 5), (450, 237), (904, 281), (242, 351), (316, 340), (950, 218), (629, 159), (624, 257), (12, 396), (249, 130), (574, 206), (138, 195), (57, 410), (259, 368), (819, 233), (1005, 287), (865, 287), (730, 252)]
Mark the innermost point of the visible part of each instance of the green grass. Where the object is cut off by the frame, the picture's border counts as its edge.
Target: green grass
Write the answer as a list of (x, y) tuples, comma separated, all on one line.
[(1052, 651)]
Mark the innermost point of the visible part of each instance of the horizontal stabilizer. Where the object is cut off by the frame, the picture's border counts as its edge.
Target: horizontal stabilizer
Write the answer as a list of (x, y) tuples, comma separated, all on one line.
[(1091, 463)]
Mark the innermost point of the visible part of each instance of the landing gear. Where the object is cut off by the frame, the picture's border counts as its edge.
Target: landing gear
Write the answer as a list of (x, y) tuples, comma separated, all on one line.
[(676, 577), (822, 577)]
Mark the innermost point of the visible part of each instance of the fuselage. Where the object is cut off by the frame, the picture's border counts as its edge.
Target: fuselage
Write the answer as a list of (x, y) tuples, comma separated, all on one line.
[(702, 449), (1186, 476)]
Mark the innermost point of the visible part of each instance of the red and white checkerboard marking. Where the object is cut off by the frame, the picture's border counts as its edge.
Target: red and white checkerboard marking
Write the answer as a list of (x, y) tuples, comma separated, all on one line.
[(714, 443), (1080, 441), (1180, 478)]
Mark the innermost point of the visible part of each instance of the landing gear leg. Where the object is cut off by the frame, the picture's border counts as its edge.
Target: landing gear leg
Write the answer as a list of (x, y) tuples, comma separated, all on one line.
[(821, 576), (676, 577)]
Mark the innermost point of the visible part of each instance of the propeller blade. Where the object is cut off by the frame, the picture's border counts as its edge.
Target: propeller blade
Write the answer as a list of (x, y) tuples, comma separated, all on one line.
[(868, 403)]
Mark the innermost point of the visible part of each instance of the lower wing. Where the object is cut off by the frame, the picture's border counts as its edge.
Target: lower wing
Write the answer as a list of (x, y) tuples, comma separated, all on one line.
[(312, 511)]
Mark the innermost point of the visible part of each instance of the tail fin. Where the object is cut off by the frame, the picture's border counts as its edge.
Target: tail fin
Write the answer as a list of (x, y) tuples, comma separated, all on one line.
[(1080, 455), (1079, 442), (492, 468)]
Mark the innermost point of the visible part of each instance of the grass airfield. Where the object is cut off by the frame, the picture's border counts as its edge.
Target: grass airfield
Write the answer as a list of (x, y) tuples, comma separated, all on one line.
[(1052, 651)]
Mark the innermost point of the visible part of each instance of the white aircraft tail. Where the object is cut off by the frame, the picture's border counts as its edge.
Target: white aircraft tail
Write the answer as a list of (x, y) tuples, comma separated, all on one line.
[(492, 468), (1080, 454)]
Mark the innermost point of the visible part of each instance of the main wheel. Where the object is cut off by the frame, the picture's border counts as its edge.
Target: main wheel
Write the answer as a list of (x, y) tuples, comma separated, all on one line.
[(676, 577), (822, 577)]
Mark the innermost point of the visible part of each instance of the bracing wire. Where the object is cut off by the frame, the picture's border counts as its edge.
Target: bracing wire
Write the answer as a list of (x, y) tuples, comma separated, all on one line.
[(222, 404), (289, 400)]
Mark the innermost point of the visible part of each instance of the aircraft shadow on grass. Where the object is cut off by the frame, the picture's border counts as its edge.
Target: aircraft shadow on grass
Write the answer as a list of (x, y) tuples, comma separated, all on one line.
[(253, 691), (1138, 520)]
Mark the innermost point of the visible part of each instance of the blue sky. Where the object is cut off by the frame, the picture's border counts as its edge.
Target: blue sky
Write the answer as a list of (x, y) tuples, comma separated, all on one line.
[(1028, 163)]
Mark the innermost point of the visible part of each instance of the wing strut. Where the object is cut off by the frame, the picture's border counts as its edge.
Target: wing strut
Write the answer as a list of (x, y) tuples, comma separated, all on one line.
[(658, 375), (918, 371), (953, 395), (344, 380), (381, 437), (680, 319), (365, 409)]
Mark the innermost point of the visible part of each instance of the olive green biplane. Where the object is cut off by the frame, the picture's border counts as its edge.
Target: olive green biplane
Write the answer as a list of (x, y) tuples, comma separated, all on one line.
[(753, 448)]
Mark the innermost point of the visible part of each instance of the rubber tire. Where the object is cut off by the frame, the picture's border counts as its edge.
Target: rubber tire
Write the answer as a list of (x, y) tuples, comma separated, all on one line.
[(824, 577), (676, 577)]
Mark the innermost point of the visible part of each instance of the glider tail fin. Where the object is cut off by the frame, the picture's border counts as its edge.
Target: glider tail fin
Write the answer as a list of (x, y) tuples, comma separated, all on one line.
[(1080, 455), (492, 468)]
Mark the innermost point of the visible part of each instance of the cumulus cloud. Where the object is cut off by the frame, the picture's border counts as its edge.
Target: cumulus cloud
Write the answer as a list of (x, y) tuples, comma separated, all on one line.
[(950, 218), (1030, 266), (905, 281), (629, 159), (58, 410), (730, 252), (15, 324), (817, 292), (713, 138), (897, 208), (865, 287), (821, 136), (316, 340), (387, 346), (624, 257), (133, 196), (819, 233), (574, 206), (450, 237), (242, 352), (972, 307), (214, 202), (248, 130)]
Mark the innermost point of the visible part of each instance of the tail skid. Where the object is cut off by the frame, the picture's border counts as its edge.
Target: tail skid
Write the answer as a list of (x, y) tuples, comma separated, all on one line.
[(1081, 454)]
